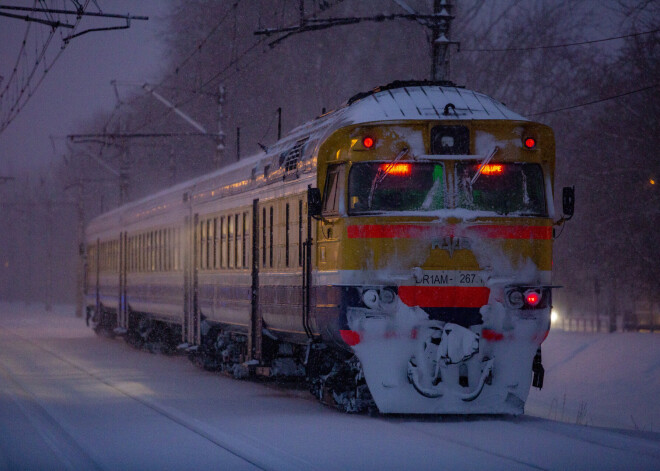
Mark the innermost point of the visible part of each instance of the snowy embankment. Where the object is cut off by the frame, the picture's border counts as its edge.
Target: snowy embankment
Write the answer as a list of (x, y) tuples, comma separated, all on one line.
[(600, 379), (71, 400)]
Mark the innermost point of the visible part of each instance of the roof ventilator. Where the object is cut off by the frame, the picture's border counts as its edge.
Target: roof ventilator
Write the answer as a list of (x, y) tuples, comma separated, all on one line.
[(289, 159)]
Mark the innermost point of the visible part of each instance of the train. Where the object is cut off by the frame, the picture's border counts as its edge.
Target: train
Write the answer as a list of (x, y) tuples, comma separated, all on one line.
[(394, 253)]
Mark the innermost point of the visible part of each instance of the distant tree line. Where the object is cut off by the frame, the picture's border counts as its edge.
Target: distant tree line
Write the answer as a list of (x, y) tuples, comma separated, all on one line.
[(606, 149)]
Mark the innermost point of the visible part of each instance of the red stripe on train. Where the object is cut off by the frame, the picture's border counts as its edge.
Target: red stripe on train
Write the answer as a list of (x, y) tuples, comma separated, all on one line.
[(419, 231), (444, 296)]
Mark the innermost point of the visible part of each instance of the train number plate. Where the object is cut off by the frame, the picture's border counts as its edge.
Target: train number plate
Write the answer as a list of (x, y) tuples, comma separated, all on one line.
[(449, 278)]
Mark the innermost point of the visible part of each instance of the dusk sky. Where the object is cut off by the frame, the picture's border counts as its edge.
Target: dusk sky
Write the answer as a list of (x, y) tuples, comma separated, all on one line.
[(78, 86)]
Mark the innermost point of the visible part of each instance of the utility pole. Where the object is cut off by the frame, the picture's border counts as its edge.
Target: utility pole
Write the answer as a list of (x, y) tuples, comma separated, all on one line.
[(220, 149), (49, 244), (80, 269), (440, 40), (124, 168)]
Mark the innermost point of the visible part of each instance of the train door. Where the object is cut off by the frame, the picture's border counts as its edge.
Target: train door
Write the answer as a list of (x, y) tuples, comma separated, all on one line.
[(191, 316), (256, 320), (122, 306), (97, 284)]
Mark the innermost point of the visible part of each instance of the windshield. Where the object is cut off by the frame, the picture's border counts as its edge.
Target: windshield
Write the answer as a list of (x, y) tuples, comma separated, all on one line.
[(502, 187), (396, 186)]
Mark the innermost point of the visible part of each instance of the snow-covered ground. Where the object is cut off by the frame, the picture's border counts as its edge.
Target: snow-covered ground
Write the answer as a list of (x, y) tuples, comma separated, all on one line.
[(604, 380), (71, 400)]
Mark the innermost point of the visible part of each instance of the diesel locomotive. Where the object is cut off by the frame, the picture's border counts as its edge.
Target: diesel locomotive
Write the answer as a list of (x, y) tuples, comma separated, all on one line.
[(395, 252)]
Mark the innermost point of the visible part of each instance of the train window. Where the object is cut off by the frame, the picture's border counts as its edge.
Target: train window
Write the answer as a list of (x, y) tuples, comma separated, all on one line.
[(239, 241), (402, 186), (450, 140), (155, 251), (270, 227), (230, 241), (286, 232), (162, 250), (147, 252), (166, 250), (333, 190), (201, 246), (246, 232), (300, 233), (176, 261), (223, 242), (143, 252), (209, 247), (263, 238), (215, 243), (159, 250), (152, 251), (169, 249), (503, 188)]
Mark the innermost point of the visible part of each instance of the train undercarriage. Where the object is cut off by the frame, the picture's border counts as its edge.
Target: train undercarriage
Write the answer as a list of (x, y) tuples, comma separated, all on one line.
[(429, 366), (333, 376)]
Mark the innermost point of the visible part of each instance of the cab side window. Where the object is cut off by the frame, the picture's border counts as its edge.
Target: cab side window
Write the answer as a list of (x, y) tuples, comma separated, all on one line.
[(332, 196)]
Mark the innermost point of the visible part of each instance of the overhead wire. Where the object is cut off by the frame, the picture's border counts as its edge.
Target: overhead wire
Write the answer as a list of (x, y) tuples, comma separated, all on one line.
[(553, 46), (18, 57), (220, 74), (175, 71), (643, 89), (26, 87)]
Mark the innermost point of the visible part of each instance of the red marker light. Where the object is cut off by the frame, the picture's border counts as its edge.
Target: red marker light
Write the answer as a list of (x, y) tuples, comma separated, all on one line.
[(530, 142), (532, 298), (492, 169), (368, 142), (351, 337), (400, 170)]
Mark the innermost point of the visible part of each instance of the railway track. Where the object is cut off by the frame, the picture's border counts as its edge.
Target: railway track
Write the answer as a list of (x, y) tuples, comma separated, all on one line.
[(59, 389), (72, 455)]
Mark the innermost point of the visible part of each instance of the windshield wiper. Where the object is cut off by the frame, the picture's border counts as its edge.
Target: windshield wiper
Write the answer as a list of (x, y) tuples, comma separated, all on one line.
[(484, 162), (382, 174)]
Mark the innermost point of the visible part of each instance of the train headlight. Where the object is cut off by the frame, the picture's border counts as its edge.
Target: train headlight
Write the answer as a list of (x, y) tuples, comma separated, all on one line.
[(370, 298), (516, 299), (387, 296)]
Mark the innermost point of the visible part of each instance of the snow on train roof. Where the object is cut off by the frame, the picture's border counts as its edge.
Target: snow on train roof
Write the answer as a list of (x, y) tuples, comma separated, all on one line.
[(428, 102)]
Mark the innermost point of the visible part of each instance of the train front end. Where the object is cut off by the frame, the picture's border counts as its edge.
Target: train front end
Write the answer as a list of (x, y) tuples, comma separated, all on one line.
[(434, 255)]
